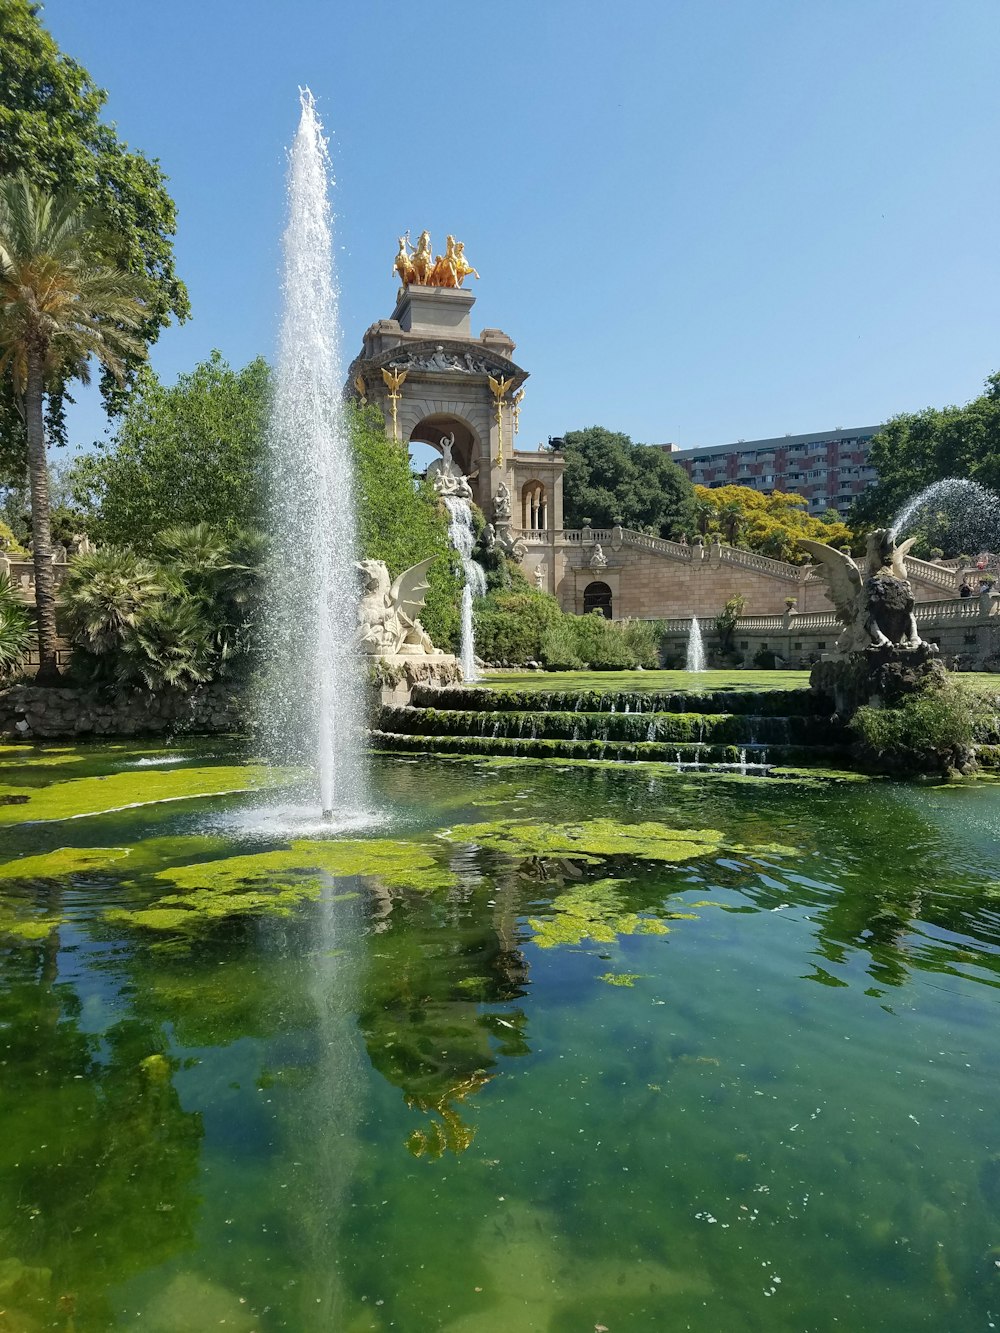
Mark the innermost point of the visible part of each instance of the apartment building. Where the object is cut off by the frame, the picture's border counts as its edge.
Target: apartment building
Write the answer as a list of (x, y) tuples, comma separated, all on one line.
[(829, 467)]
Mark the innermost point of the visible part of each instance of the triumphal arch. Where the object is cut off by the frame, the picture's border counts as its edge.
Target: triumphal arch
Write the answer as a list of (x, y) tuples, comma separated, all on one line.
[(438, 383)]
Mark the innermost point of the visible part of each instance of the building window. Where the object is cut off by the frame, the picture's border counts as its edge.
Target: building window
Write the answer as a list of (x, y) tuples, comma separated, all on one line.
[(821, 645), (796, 646), (970, 639), (744, 643), (597, 597), (534, 509)]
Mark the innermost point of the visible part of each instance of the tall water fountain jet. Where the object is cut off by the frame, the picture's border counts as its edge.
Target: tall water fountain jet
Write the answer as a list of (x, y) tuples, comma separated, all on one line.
[(695, 647), (313, 706)]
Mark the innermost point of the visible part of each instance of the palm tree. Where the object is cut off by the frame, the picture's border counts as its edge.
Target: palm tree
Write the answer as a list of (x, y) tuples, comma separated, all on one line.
[(60, 305)]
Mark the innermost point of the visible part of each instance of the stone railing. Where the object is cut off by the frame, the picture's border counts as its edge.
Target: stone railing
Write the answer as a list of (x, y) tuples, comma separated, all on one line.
[(644, 542), (929, 614), (22, 575), (927, 571), (777, 569)]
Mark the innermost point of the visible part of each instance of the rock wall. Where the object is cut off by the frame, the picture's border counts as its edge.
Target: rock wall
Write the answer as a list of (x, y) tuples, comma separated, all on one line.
[(31, 712)]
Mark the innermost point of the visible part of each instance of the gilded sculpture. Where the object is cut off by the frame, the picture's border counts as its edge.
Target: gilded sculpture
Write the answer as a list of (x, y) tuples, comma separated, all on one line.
[(393, 381), (419, 265)]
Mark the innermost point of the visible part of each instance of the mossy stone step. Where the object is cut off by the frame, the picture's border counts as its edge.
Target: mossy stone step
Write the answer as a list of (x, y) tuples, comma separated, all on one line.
[(694, 728), (551, 748), (760, 703)]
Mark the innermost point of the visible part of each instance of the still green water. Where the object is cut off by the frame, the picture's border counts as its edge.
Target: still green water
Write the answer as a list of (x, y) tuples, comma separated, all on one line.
[(504, 1061)]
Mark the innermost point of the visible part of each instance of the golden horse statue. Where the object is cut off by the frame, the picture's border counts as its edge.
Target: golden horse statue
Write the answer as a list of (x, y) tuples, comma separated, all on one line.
[(422, 259), (418, 265)]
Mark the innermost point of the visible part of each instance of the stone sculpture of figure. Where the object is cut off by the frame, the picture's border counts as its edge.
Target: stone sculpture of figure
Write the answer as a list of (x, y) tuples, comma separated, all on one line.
[(445, 475), (598, 560), (875, 605), (422, 259), (539, 577), (387, 612), (490, 537), (501, 504)]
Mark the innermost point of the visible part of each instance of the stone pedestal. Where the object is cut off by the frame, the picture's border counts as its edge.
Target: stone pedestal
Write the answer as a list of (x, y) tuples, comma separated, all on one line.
[(880, 676), (401, 673), (430, 310)]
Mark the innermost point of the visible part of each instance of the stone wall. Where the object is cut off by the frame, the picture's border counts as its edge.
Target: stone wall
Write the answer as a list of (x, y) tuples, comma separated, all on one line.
[(31, 712), (651, 578), (966, 630)]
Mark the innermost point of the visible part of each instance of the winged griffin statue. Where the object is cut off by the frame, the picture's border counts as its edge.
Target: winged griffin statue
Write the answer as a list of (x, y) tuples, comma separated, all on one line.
[(874, 603), (388, 611)]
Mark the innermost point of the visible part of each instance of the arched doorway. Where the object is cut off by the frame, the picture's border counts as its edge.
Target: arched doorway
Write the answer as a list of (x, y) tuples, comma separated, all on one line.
[(597, 597)]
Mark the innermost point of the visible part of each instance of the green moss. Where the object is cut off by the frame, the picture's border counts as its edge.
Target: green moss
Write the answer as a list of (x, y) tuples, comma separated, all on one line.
[(620, 978), (121, 790), (591, 839)]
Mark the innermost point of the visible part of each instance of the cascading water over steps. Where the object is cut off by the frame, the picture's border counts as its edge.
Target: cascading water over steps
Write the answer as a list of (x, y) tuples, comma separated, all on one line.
[(723, 728)]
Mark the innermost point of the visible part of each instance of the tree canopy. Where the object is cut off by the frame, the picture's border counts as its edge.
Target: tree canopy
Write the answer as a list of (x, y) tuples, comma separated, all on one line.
[(915, 449), (51, 129), (768, 524), (609, 477), (185, 453)]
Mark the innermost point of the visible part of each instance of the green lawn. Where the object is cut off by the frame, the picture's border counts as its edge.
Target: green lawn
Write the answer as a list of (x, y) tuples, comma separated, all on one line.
[(694, 682)]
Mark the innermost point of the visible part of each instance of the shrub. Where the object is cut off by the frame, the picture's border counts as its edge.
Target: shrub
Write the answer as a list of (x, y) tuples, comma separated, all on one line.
[(173, 620), (601, 644), (511, 626), (15, 628), (934, 729), (643, 638)]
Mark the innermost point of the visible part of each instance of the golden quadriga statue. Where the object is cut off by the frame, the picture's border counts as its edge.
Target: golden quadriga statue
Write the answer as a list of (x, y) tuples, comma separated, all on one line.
[(417, 264)]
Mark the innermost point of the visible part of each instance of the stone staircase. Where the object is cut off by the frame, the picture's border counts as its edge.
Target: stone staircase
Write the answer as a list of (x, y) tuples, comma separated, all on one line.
[(734, 728)]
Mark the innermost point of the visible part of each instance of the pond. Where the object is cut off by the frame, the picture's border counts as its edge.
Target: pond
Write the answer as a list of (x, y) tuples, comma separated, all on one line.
[(562, 1048)]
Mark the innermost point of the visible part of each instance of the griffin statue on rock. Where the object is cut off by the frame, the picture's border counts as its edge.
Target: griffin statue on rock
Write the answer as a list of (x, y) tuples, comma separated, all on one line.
[(874, 603)]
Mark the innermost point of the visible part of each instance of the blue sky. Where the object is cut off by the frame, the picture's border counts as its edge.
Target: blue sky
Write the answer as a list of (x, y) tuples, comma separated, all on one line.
[(699, 221)]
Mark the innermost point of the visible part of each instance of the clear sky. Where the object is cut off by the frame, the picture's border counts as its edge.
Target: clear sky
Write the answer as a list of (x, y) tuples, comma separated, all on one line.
[(699, 220)]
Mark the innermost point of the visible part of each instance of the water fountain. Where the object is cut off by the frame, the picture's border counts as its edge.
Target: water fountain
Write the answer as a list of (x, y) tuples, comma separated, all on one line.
[(456, 493), (968, 510), (313, 705), (695, 648)]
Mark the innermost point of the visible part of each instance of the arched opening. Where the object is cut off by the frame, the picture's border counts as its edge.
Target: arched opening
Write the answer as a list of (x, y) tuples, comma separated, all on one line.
[(597, 597), (425, 445), (534, 507), (426, 436)]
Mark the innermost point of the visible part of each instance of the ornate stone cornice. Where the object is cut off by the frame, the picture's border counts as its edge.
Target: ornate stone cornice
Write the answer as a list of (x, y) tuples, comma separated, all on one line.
[(457, 359)]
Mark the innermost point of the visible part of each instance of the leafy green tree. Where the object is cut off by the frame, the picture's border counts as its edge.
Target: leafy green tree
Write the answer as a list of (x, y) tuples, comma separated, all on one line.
[(608, 477), (59, 306), (769, 524), (51, 129), (401, 521), (183, 454), (915, 449)]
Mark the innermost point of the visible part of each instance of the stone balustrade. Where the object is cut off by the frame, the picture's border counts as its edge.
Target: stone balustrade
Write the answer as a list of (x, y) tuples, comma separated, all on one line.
[(22, 575)]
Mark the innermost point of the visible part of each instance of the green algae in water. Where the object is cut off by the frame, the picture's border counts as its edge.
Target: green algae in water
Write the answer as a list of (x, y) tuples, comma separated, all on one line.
[(277, 881), (620, 978), (595, 911), (62, 862), (119, 791), (592, 839)]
